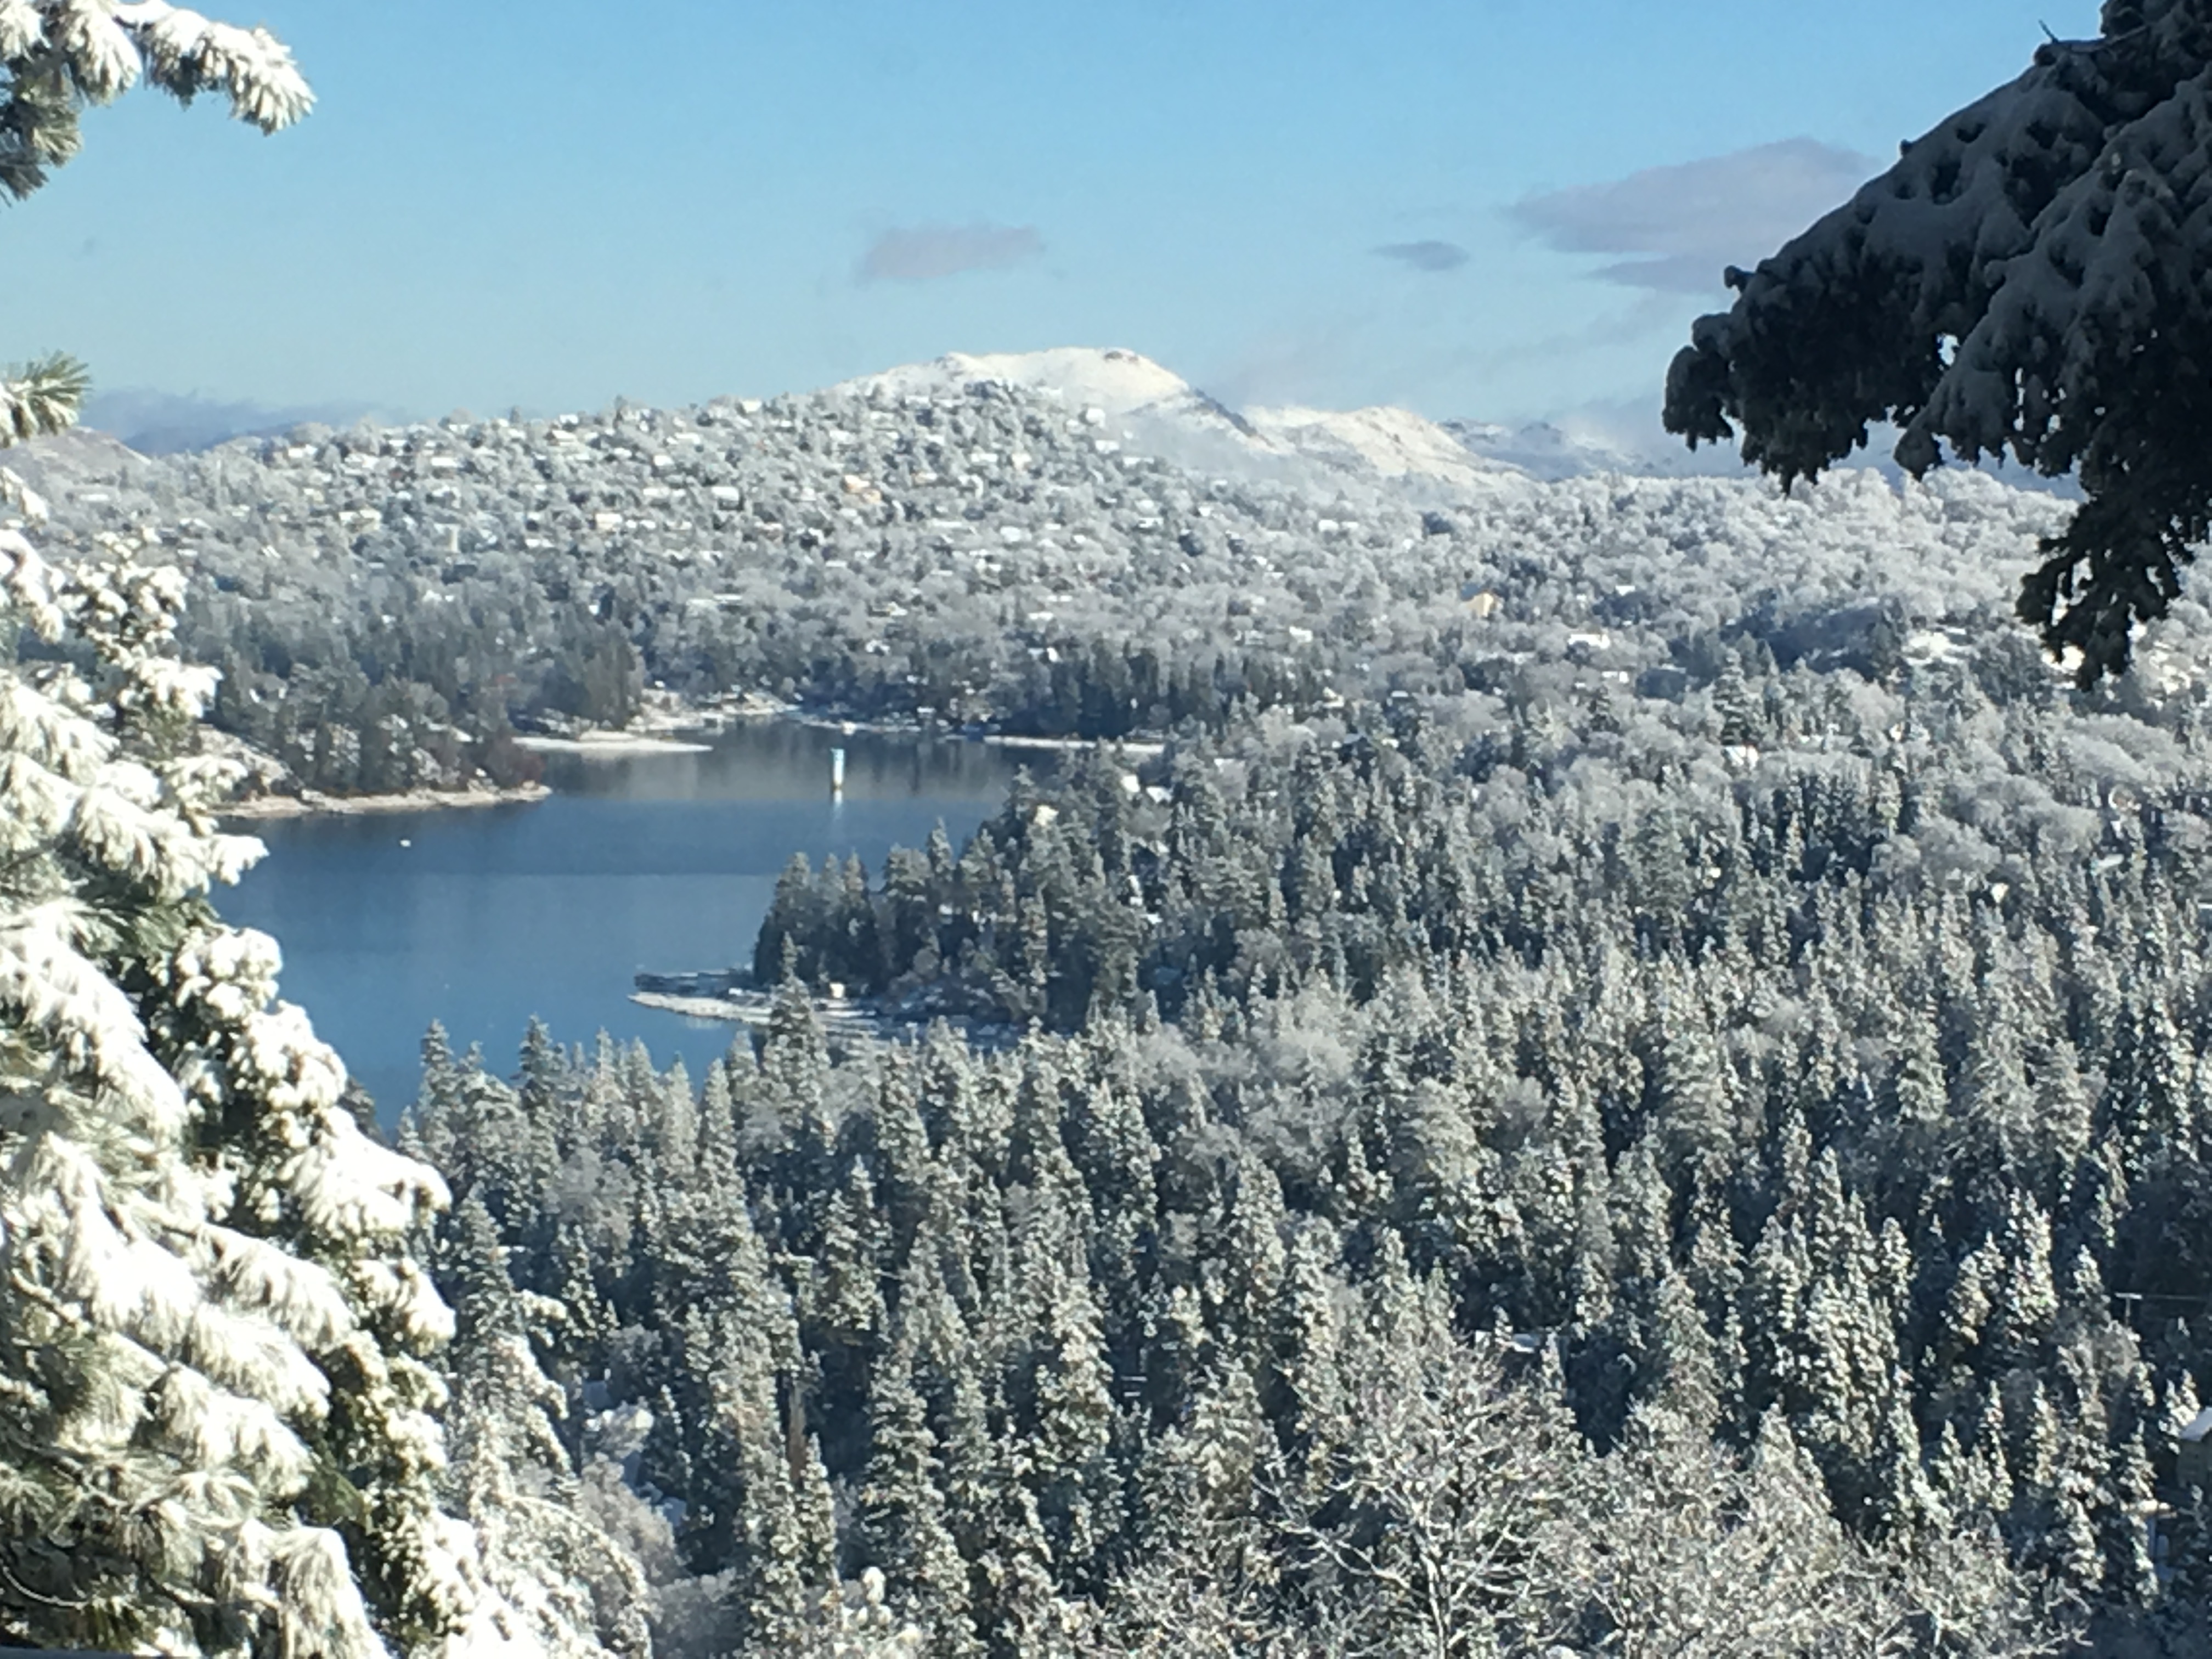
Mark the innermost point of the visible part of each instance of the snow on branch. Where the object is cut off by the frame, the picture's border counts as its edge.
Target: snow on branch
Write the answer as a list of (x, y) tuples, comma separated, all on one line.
[(48, 987), (187, 54), (28, 582), (20, 27), (349, 1186), (251, 1356), (1845, 325), (318, 1605), (69, 1241), (14, 493), (57, 56), (2030, 276), (100, 52), (41, 398), (223, 1429), (299, 1294)]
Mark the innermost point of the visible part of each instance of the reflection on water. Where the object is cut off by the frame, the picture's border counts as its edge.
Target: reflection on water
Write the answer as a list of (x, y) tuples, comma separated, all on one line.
[(481, 917), (784, 761)]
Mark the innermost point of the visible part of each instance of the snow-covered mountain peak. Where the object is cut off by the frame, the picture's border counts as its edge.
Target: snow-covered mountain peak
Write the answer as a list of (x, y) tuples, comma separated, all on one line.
[(1114, 381), (1131, 397), (1545, 450)]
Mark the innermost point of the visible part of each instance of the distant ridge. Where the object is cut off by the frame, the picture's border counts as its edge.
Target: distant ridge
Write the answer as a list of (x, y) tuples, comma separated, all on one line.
[(1548, 452), (171, 423), (1159, 411), (1138, 403)]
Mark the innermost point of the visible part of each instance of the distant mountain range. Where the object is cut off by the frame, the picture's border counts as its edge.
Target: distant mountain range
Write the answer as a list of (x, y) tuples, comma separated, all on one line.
[(173, 424), (1545, 450), (1137, 402)]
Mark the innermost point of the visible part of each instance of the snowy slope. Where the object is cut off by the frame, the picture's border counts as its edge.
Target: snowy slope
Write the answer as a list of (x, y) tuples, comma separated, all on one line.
[(1545, 450), (1395, 443), (1118, 383), (1134, 401), (80, 460)]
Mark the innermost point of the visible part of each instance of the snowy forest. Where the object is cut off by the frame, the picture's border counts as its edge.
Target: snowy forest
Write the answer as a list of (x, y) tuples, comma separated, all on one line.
[(386, 604), (1541, 1170), (1654, 1034), (1579, 1065)]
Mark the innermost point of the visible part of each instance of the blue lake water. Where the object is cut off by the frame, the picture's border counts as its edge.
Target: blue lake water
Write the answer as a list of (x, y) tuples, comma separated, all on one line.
[(481, 917)]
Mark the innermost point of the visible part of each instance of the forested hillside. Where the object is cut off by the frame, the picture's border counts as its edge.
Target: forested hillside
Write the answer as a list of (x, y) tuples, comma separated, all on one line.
[(1530, 1168), (386, 601)]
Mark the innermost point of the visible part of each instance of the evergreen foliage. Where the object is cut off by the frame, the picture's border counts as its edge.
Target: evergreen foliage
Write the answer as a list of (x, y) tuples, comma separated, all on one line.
[(1462, 1177), (2029, 276), (213, 1327), (218, 1419)]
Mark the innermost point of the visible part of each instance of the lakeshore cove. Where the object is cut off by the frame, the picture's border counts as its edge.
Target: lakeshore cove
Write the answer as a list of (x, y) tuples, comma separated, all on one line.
[(644, 858)]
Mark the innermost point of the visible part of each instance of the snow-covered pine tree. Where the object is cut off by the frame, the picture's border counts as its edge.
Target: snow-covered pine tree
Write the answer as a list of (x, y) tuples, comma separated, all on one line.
[(2029, 276), (565, 1588), (216, 1410), (903, 1509), (216, 1427)]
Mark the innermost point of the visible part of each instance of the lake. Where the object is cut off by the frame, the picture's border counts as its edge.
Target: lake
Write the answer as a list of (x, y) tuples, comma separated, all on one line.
[(483, 916)]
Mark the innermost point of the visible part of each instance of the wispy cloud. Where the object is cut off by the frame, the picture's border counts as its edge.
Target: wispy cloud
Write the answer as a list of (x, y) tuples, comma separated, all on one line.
[(1425, 256), (922, 253), (1681, 225)]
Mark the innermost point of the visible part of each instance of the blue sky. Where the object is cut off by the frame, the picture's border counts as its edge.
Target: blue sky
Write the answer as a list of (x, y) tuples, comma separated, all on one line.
[(1506, 208)]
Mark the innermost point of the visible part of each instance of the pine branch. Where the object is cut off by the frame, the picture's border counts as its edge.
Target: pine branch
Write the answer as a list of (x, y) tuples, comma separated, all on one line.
[(187, 54), (41, 397), (38, 128)]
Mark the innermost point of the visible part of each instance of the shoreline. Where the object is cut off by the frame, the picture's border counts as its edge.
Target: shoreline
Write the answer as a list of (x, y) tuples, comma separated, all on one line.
[(659, 737), (842, 1020), (1141, 748), (612, 745), (311, 803), (1138, 747)]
